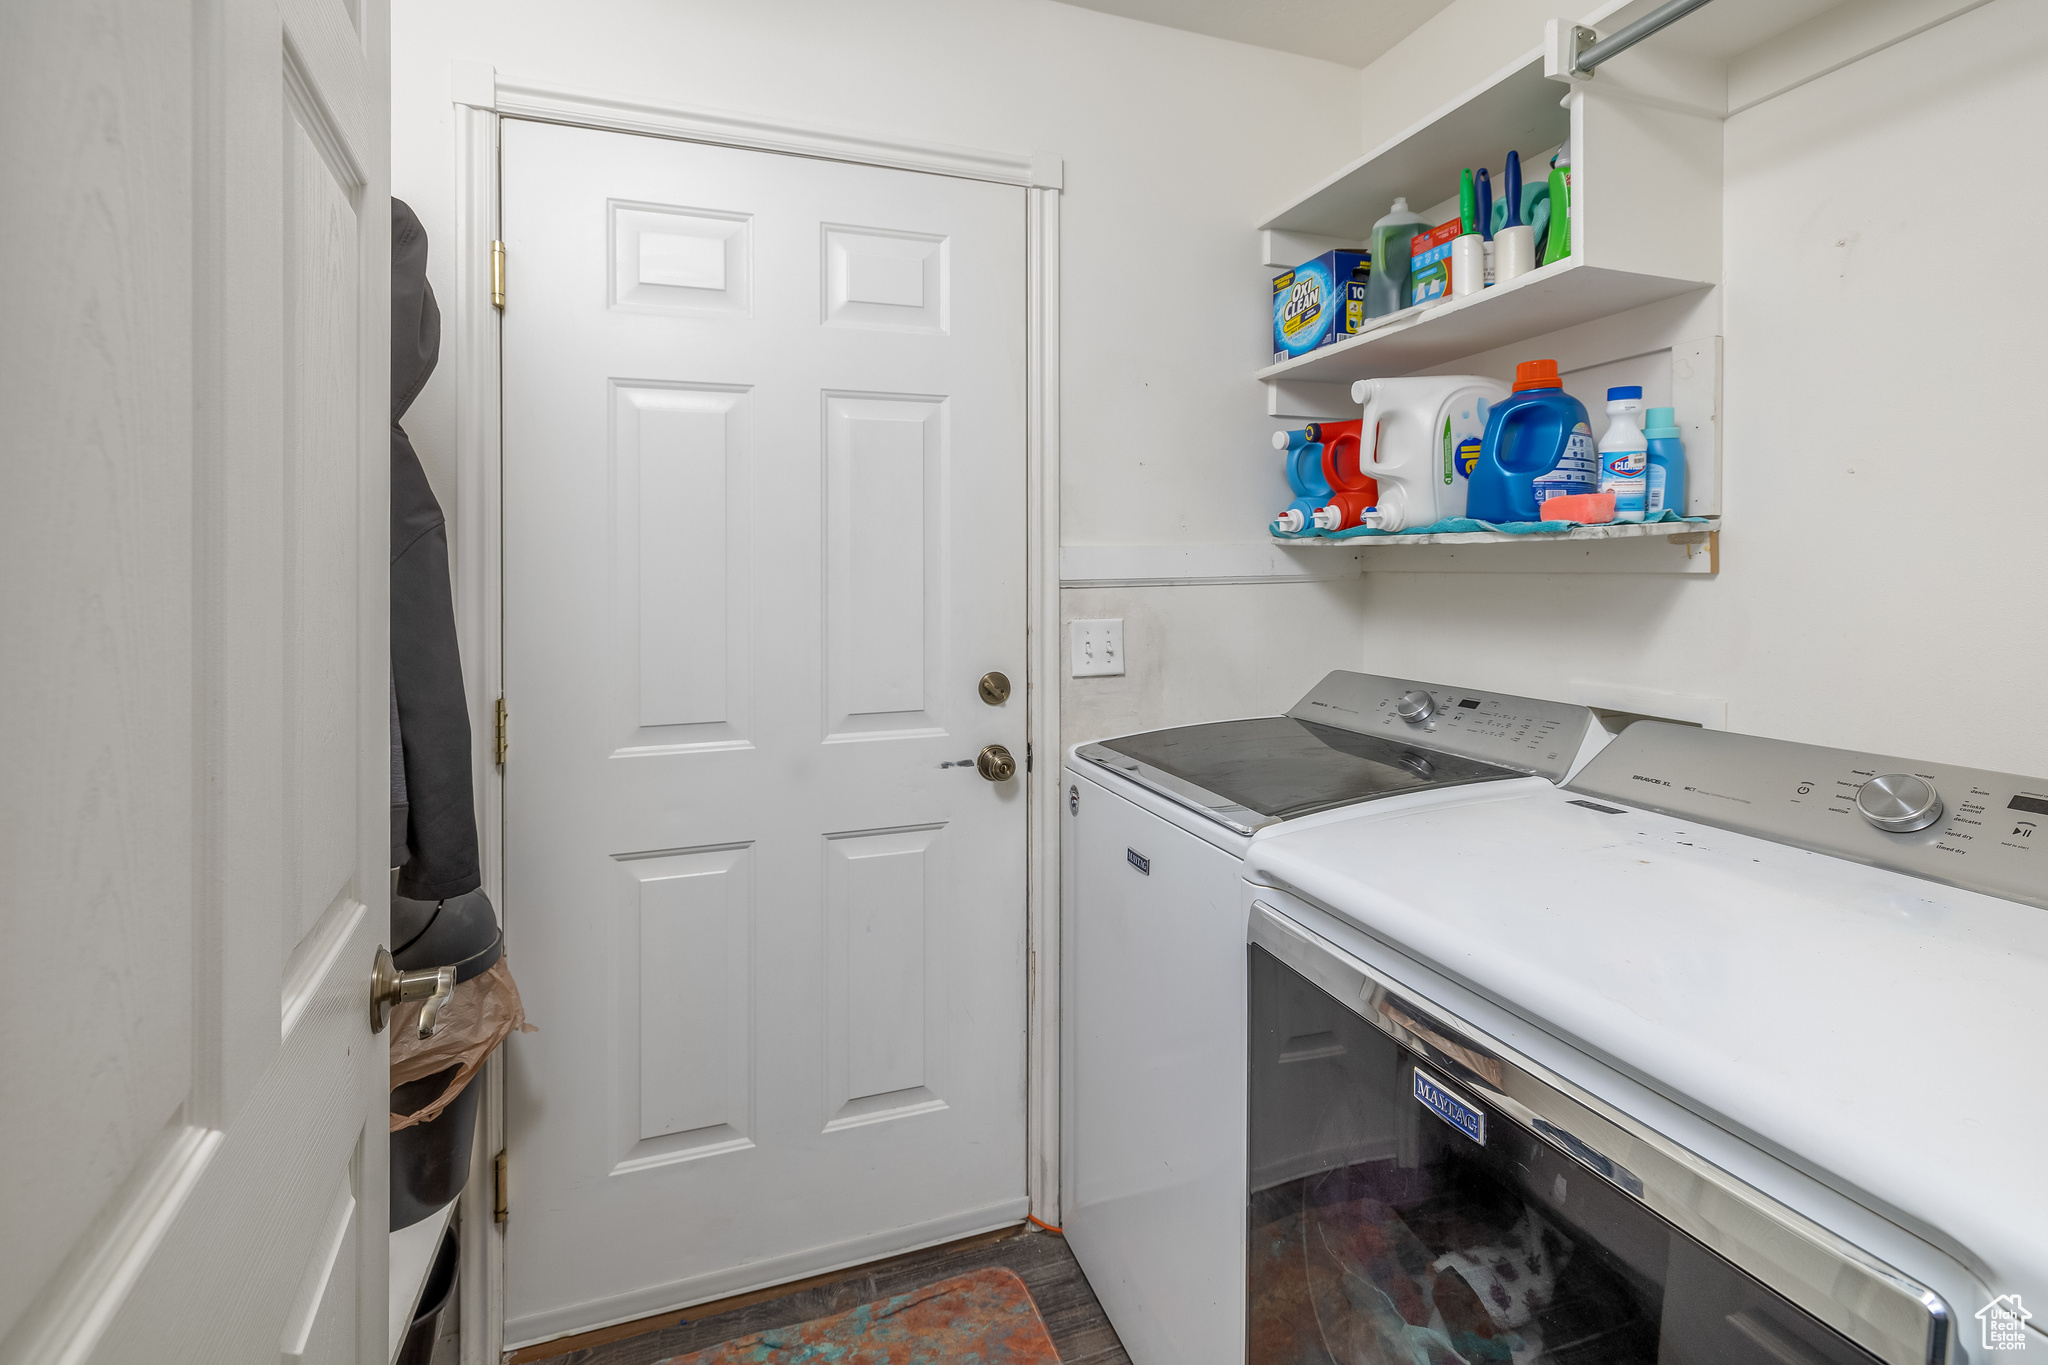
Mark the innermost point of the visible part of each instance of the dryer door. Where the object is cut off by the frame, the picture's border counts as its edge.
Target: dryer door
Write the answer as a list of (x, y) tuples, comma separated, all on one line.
[(1420, 1193)]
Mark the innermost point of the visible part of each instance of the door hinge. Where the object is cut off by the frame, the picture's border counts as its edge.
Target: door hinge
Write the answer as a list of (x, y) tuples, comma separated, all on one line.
[(499, 745), (498, 275), (499, 1206)]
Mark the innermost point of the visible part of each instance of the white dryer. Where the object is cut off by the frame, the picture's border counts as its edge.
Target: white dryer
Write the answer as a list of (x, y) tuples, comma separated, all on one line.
[(1730, 1051), (1157, 828)]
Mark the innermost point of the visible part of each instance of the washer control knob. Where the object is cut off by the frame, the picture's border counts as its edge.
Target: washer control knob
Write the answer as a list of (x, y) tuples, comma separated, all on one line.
[(1899, 802), (1415, 707)]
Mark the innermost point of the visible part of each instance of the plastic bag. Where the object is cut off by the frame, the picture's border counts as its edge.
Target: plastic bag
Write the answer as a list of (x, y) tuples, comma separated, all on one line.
[(484, 1011)]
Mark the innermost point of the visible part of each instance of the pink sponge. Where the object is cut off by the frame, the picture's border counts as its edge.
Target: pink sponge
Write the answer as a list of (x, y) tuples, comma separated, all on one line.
[(1583, 507)]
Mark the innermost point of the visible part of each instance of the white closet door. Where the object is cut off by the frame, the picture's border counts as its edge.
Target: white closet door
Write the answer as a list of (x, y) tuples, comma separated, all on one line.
[(193, 532), (764, 492)]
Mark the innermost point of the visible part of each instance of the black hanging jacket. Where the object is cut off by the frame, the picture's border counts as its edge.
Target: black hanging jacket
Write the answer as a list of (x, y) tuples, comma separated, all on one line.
[(434, 839)]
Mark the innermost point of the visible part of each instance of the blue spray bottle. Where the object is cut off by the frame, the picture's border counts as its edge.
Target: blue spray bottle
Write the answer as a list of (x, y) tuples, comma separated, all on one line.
[(1667, 463)]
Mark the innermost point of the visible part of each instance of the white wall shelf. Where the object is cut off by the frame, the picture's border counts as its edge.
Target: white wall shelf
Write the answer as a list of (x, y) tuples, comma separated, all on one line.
[(1683, 532), (1666, 547), (1562, 294), (1515, 108), (1645, 221)]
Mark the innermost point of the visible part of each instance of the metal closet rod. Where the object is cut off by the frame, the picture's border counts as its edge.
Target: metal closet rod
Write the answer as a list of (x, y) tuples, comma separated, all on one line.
[(1623, 39)]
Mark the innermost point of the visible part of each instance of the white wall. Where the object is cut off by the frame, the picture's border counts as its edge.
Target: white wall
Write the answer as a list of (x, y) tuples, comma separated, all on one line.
[(1883, 487), (1211, 651), (1175, 146), (1844, 351)]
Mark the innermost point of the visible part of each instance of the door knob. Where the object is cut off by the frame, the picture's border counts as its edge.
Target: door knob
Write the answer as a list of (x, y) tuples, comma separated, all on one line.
[(389, 986), (996, 764)]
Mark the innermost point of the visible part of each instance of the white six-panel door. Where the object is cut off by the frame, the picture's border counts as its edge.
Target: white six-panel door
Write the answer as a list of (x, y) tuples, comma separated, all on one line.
[(764, 534), (193, 532)]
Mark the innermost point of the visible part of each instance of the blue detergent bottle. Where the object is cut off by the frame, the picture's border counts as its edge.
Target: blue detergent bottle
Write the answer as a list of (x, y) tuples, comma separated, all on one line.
[(1305, 477), (1538, 445), (1667, 463)]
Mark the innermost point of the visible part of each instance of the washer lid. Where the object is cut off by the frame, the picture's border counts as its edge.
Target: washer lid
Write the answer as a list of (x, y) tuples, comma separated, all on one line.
[(1883, 1029), (1248, 774)]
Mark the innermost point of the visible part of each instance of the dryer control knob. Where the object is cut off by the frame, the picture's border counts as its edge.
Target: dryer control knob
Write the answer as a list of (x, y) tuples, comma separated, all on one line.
[(1415, 707), (1899, 802)]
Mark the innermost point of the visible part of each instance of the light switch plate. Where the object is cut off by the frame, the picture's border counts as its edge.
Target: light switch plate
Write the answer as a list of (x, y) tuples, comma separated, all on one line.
[(1098, 647)]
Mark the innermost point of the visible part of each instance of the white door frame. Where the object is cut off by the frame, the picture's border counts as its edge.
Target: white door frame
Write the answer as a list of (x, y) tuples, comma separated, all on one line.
[(482, 98)]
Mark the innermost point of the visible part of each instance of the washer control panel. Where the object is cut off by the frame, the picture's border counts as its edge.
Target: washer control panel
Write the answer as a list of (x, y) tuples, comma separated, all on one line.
[(1969, 827), (1523, 733)]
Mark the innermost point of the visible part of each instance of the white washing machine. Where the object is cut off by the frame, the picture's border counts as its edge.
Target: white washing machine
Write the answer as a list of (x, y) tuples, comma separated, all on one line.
[(1153, 989), (1730, 1051)]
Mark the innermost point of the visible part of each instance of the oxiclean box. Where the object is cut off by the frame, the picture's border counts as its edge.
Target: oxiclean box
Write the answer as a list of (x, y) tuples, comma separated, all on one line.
[(1319, 302)]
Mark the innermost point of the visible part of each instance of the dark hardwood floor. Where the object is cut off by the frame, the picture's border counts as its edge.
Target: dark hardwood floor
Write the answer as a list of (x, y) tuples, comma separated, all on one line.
[(1079, 1330)]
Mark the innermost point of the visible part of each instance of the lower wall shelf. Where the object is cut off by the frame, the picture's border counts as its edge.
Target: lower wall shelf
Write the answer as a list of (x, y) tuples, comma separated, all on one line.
[(1663, 547), (1679, 532)]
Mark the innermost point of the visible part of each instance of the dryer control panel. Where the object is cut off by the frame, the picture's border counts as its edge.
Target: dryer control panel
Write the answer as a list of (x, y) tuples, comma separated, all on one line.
[(1523, 733), (1969, 827)]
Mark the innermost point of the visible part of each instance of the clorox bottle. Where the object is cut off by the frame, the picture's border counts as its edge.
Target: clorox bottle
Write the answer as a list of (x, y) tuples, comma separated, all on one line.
[(1538, 445), (1625, 453)]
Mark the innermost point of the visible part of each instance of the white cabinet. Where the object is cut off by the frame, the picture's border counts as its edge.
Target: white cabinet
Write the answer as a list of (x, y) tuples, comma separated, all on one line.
[(1646, 216)]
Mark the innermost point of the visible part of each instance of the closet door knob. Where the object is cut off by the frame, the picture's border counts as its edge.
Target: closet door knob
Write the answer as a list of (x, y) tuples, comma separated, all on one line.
[(389, 986), (996, 764)]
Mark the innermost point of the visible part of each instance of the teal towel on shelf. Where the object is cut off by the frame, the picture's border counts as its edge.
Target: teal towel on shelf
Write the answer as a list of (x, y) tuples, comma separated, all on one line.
[(1461, 525)]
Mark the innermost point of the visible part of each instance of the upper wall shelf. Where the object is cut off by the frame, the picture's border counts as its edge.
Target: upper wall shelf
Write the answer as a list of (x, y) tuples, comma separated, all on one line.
[(1560, 295), (1645, 216), (1517, 108)]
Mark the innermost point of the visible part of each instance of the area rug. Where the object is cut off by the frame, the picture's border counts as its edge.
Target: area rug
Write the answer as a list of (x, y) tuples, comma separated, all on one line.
[(984, 1318)]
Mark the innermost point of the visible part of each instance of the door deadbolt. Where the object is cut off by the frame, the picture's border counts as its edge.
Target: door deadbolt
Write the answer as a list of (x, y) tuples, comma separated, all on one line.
[(996, 764), (995, 688), (389, 986)]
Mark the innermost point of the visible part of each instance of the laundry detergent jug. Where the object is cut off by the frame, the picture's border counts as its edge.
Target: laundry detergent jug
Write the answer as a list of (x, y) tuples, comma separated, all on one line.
[(1352, 490), (1306, 455), (1420, 438), (1538, 446)]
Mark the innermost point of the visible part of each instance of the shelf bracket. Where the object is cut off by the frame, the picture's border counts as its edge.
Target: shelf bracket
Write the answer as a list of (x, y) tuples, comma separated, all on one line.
[(1570, 51), (1309, 400), (1563, 41)]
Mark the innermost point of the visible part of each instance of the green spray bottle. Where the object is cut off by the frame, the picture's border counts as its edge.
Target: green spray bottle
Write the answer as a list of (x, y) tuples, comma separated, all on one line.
[(1558, 244)]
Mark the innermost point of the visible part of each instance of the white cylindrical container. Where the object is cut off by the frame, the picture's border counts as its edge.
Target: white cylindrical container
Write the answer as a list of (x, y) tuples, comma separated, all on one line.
[(1514, 252), (1625, 453), (1468, 265)]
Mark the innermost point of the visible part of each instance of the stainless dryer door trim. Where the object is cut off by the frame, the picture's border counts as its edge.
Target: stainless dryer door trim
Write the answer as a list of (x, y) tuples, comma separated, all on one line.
[(1882, 1310)]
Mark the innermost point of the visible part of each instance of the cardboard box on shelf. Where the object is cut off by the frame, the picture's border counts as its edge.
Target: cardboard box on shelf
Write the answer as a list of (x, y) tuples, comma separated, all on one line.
[(1429, 263), (1318, 302)]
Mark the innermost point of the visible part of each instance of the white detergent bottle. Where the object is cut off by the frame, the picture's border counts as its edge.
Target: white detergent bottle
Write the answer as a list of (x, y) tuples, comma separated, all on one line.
[(1420, 438), (1625, 454)]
